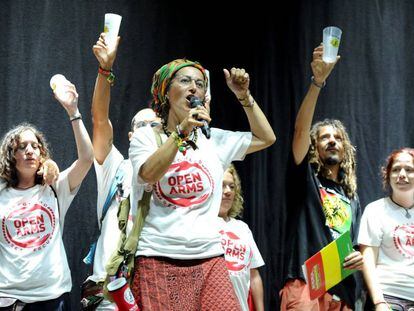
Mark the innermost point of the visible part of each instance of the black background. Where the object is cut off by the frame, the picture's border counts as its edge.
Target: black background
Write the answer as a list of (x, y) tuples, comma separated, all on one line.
[(370, 90)]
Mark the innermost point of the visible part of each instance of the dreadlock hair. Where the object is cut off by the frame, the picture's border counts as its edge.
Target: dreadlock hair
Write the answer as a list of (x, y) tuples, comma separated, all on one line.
[(9, 145), (347, 175), (236, 209), (386, 169)]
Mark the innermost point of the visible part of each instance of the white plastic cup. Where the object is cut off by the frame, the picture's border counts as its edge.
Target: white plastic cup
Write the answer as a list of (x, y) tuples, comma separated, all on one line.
[(58, 85), (331, 40), (111, 28), (122, 295)]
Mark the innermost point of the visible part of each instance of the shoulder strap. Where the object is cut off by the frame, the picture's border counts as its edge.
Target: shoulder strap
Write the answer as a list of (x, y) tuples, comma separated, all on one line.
[(128, 245), (117, 182), (57, 200), (131, 242), (157, 137), (119, 177)]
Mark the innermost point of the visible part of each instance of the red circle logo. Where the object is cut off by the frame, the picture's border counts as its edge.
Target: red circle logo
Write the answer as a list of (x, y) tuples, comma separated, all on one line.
[(185, 185), (29, 226), (404, 240), (236, 253)]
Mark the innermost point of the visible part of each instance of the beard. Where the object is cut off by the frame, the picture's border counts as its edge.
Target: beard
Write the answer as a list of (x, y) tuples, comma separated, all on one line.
[(331, 160)]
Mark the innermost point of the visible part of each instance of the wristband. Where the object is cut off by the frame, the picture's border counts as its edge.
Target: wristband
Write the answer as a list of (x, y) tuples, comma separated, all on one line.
[(321, 86), (110, 77), (76, 116), (179, 142), (250, 100)]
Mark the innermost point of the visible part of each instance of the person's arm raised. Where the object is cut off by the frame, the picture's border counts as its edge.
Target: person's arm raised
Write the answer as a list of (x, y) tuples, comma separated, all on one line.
[(301, 138), (102, 127), (81, 166), (238, 81)]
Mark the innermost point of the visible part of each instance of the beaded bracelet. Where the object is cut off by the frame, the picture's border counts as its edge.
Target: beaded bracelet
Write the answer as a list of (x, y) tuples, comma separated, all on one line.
[(110, 77), (182, 133), (249, 98), (179, 142)]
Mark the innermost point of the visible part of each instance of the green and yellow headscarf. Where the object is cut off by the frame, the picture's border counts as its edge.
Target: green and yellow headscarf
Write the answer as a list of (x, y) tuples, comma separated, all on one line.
[(162, 79)]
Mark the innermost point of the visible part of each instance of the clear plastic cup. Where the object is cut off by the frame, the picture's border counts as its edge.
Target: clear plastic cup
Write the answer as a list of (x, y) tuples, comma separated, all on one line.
[(331, 40), (111, 28)]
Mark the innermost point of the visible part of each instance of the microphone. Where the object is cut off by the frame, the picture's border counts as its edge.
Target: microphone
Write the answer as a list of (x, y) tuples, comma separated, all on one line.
[(195, 102)]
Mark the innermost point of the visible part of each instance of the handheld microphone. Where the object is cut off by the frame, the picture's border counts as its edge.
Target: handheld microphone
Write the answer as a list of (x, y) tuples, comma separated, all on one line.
[(195, 102)]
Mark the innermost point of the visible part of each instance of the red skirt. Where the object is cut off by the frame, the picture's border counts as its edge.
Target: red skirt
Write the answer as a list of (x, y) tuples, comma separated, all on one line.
[(162, 283)]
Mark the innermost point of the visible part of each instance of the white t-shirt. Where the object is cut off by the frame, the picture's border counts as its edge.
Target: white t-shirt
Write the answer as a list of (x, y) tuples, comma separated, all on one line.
[(109, 237), (33, 260), (385, 226), (182, 221), (241, 254)]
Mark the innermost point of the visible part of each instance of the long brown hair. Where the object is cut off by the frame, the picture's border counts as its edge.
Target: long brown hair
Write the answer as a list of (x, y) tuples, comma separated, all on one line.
[(348, 165), (9, 145)]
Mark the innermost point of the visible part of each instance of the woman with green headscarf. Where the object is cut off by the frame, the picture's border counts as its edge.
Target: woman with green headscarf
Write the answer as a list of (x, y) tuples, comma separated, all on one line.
[(180, 263)]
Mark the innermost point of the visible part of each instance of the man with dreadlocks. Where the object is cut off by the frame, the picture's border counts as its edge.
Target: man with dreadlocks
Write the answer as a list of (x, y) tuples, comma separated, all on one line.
[(322, 199), (180, 263)]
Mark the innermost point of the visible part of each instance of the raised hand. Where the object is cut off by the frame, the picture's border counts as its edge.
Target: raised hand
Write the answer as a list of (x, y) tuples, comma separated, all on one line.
[(238, 81), (104, 54), (68, 98), (320, 69)]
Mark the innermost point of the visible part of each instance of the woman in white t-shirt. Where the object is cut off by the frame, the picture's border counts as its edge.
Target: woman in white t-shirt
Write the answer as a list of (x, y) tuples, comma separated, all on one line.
[(386, 237), (34, 271), (240, 250), (180, 263)]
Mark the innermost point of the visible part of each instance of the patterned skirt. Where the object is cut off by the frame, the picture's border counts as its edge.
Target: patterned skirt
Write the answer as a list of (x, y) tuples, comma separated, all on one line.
[(162, 283)]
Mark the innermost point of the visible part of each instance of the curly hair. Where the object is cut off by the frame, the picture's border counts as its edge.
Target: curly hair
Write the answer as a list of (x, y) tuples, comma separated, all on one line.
[(8, 148), (347, 175), (161, 83), (386, 169), (236, 209)]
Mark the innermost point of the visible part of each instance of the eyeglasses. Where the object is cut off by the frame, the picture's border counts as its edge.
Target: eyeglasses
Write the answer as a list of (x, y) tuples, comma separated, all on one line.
[(145, 123), (186, 81)]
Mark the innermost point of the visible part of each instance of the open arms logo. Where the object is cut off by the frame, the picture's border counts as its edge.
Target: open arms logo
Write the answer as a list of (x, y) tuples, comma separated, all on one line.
[(185, 185), (29, 226)]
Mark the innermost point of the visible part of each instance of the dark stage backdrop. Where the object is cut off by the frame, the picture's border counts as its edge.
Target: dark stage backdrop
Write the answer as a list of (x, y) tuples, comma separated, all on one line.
[(371, 88)]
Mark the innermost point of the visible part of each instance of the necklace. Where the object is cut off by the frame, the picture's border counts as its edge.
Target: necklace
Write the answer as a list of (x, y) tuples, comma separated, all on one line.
[(23, 188), (407, 209), (188, 142)]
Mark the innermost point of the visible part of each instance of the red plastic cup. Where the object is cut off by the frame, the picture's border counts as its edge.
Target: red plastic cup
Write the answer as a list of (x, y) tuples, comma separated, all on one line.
[(122, 295)]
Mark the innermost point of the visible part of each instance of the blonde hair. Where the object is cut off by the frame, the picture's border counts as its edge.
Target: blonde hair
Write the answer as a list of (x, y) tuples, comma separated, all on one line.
[(236, 209), (347, 175)]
